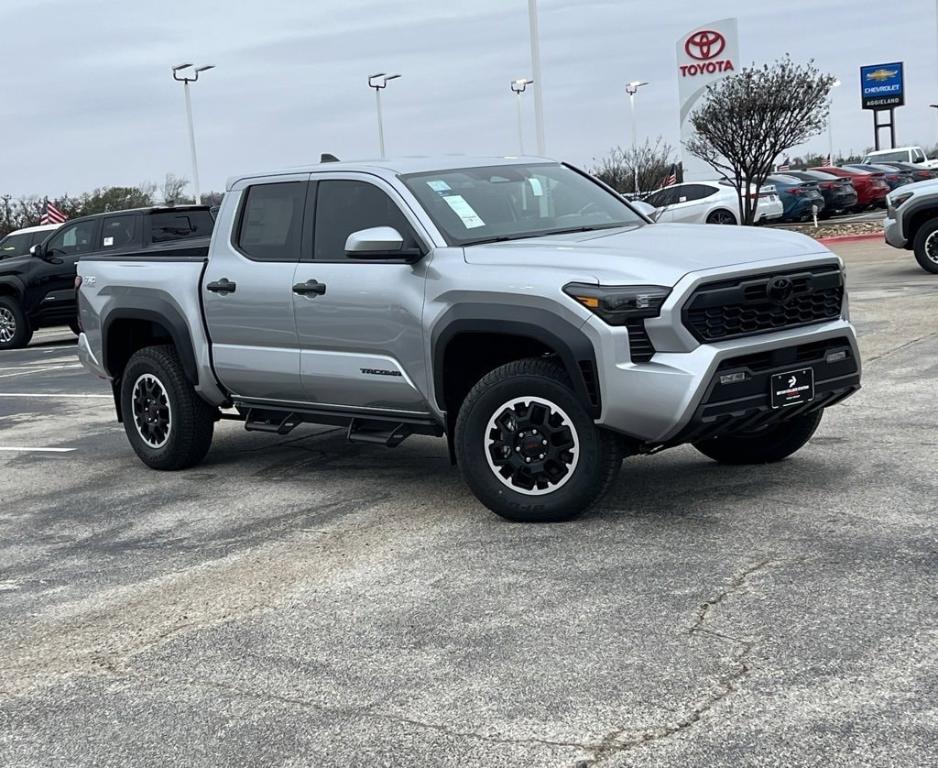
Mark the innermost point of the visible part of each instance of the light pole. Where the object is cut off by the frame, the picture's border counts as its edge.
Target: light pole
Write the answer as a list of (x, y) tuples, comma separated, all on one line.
[(830, 123), (934, 106), (518, 87), (191, 77), (536, 72), (631, 89), (379, 82)]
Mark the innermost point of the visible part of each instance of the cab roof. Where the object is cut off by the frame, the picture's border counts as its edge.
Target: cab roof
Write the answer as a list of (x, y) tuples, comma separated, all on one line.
[(399, 165)]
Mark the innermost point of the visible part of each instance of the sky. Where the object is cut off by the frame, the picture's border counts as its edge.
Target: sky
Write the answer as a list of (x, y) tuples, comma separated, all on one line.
[(88, 100)]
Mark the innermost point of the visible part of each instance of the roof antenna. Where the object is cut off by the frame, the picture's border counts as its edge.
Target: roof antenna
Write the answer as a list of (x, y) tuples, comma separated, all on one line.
[(325, 157)]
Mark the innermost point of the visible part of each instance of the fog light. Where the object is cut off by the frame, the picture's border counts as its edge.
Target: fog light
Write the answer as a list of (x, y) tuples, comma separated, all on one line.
[(836, 357), (733, 378)]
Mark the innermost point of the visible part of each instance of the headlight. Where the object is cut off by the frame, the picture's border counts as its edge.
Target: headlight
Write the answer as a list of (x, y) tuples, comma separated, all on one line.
[(617, 304), (896, 200)]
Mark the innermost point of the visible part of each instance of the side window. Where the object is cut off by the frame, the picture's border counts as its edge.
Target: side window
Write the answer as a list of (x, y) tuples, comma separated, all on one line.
[(272, 221), (657, 198), (168, 226), (679, 194), (118, 232), (918, 156), (344, 207), (15, 245), (75, 239)]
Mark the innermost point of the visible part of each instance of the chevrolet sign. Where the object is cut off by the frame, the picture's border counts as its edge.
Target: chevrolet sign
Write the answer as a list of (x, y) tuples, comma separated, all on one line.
[(882, 86)]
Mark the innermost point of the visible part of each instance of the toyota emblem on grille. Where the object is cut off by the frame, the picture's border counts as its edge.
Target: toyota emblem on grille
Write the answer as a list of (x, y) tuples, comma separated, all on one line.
[(780, 289)]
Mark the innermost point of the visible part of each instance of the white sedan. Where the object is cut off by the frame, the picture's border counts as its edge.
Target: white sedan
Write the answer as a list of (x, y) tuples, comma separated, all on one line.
[(711, 202)]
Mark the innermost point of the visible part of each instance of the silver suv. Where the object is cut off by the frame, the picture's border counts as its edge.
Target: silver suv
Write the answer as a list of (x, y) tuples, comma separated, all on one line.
[(517, 306)]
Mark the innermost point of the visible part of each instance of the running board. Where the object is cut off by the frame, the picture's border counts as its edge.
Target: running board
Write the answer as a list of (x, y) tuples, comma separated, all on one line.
[(281, 423), (383, 433)]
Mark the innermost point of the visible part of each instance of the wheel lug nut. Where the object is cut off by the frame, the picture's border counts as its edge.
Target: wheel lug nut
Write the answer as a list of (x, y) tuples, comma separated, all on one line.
[(543, 442), (527, 460), (518, 450), (541, 456)]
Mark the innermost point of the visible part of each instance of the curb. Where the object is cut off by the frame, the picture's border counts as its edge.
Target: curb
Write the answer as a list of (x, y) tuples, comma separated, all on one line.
[(851, 238)]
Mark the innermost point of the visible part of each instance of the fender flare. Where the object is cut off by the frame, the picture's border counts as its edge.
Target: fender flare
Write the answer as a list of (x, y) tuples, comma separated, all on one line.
[(908, 212), (15, 283), (573, 347), (159, 311)]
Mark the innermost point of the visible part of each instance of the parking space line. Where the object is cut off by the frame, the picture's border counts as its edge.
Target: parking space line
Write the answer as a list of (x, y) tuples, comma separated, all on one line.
[(40, 450), (39, 370), (53, 394)]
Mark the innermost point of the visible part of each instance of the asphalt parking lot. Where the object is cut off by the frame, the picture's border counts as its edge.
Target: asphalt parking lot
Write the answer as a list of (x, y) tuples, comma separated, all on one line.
[(303, 601)]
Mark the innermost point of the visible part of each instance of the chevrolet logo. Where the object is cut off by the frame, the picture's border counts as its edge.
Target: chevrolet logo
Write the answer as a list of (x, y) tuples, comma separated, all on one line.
[(882, 74)]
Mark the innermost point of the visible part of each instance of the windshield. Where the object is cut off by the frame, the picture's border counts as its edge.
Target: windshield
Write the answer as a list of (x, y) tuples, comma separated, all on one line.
[(507, 202)]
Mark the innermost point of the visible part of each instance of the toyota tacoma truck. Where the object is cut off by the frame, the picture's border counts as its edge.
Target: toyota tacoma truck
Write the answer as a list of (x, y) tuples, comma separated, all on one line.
[(912, 222), (516, 306)]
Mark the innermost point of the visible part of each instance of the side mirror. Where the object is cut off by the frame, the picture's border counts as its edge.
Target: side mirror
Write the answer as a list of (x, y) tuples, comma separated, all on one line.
[(36, 250), (379, 243), (646, 209)]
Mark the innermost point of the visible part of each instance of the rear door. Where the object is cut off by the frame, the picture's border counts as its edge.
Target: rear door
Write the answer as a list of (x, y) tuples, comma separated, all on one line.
[(361, 339), (247, 289), (691, 204)]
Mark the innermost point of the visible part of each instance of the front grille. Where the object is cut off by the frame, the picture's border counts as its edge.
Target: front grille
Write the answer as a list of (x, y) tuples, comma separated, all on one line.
[(751, 305)]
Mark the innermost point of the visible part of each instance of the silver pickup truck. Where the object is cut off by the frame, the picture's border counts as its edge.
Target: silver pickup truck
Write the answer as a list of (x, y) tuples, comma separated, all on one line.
[(519, 307)]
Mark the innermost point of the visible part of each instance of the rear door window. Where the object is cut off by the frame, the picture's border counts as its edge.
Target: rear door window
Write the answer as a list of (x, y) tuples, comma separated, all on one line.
[(120, 233), (272, 221)]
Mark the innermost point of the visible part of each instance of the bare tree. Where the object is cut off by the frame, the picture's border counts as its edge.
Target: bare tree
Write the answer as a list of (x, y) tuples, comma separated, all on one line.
[(750, 118), (173, 187), (653, 161)]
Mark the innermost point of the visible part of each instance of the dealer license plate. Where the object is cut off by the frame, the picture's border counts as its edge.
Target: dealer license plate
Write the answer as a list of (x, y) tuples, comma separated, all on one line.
[(792, 388)]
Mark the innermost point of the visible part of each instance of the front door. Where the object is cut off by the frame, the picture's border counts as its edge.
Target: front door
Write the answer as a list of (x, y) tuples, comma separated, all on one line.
[(361, 340), (50, 292), (247, 290)]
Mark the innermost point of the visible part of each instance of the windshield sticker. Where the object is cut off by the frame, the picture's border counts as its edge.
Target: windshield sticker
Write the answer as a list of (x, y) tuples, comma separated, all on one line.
[(470, 219), (438, 186), (536, 187)]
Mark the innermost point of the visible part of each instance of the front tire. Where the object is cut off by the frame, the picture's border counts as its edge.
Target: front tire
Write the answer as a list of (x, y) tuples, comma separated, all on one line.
[(15, 330), (169, 426), (528, 449), (926, 246), (765, 445)]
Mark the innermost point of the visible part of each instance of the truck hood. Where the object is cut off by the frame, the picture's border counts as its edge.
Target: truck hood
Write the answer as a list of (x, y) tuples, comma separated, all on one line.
[(659, 254)]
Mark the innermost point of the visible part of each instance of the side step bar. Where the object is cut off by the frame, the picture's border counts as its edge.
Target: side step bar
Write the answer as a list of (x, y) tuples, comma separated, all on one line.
[(377, 432), (378, 429)]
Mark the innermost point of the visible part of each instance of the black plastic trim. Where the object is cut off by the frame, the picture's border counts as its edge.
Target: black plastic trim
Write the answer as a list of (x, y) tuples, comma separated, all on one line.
[(571, 344), (163, 313)]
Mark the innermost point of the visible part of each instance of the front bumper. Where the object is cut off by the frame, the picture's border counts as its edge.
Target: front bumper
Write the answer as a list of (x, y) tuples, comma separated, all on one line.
[(892, 229), (677, 397), (86, 357)]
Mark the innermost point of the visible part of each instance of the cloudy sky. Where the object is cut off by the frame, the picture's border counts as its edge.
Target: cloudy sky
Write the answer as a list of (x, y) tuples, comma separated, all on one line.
[(88, 99)]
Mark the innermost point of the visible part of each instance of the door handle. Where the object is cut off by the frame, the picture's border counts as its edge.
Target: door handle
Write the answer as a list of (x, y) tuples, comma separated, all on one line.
[(310, 288), (222, 286)]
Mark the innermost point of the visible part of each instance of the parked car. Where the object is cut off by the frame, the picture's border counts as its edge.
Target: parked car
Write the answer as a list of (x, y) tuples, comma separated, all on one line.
[(912, 155), (801, 199), (892, 176), (912, 222), (19, 242), (524, 310), (871, 187), (38, 290), (918, 172), (711, 202), (839, 193)]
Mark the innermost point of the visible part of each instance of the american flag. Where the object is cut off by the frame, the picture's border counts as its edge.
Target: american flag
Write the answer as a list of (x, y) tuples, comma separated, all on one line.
[(52, 215), (671, 178)]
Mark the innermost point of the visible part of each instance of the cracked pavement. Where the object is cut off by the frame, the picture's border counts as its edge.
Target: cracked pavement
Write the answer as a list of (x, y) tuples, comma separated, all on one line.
[(305, 601)]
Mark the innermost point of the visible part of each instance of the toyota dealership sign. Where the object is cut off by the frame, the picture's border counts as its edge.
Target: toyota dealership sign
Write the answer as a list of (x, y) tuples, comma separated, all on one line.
[(704, 55)]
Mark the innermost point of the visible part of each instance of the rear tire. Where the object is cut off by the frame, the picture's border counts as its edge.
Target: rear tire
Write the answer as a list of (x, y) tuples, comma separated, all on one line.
[(722, 216), (15, 330), (169, 426), (763, 446), (528, 449), (926, 246)]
